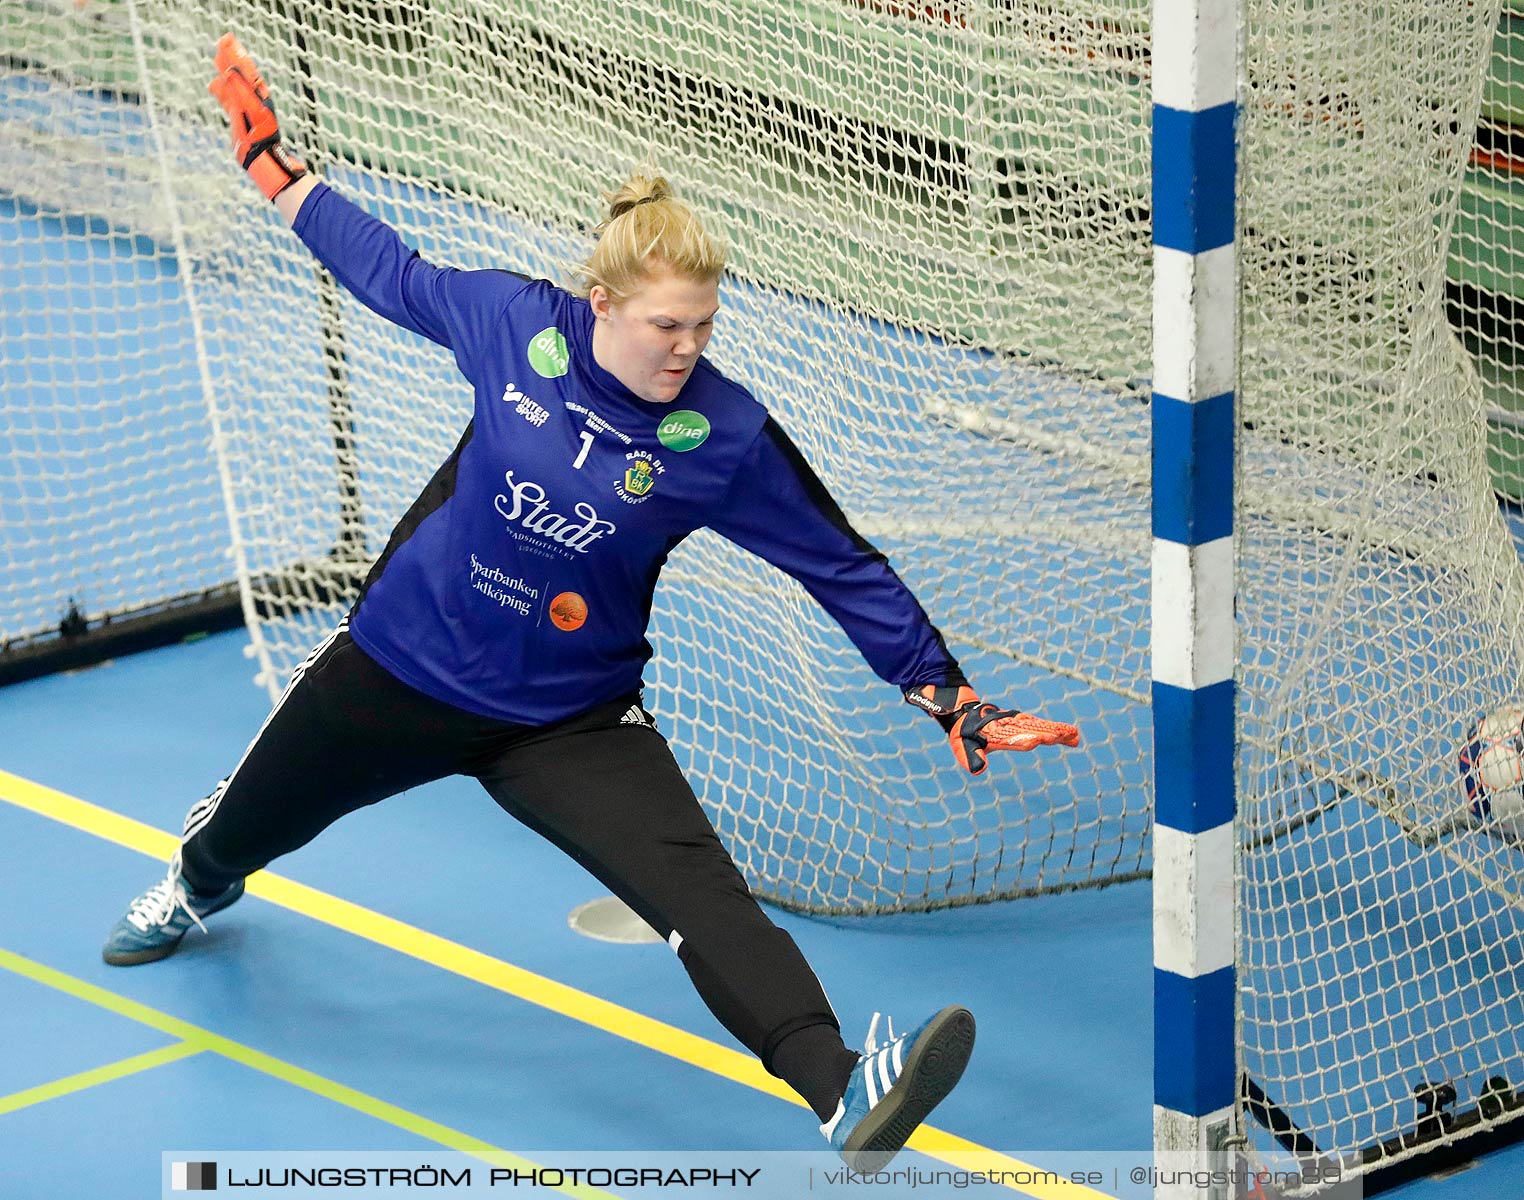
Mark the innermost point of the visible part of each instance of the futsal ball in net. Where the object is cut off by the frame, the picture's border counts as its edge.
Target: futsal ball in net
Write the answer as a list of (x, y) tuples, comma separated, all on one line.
[(1492, 765)]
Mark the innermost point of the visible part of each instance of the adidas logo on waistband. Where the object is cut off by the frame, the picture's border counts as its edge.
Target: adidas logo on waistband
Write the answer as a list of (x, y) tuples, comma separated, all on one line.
[(635, 715)]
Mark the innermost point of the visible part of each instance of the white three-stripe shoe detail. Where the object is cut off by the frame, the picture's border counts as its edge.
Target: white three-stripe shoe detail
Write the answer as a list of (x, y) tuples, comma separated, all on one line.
[(894, 1087)]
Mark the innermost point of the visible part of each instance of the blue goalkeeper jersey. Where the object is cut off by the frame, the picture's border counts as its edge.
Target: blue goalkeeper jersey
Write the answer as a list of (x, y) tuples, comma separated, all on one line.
[(519, 584)]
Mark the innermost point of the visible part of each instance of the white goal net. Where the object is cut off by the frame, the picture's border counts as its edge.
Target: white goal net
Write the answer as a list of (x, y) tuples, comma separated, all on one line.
[(940, 223), (1380, 597)]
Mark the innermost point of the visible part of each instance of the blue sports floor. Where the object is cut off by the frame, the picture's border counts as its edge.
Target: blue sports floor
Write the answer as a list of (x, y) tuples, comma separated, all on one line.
[(410, 981), (431, 985)]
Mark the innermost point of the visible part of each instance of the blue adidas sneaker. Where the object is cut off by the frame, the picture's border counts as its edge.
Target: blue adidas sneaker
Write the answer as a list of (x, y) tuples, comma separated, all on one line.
[(160, 917), (895, 1086)]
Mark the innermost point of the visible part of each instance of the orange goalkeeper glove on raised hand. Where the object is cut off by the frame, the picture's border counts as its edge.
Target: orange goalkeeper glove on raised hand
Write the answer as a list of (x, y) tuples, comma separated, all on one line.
[(974, 727), (256, 135)]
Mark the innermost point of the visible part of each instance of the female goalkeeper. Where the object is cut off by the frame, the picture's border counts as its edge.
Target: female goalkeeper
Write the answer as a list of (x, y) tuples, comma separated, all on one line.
[(501, 634)]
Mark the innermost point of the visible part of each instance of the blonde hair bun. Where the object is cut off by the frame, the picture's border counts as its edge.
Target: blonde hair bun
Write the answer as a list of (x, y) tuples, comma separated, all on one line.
[(646, 224), (638, 189)]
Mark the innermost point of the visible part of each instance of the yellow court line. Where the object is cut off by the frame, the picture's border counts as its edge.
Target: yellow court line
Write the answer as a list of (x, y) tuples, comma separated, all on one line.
[(503, 976), (88, 1079), (195, 1040)]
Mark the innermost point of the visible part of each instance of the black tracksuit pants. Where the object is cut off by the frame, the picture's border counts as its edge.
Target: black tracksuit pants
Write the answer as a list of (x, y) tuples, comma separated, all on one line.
[(603, 786)]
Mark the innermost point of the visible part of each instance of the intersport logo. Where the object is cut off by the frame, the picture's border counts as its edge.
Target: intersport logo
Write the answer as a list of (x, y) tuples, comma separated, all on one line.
[(533, 412), (526, 505)]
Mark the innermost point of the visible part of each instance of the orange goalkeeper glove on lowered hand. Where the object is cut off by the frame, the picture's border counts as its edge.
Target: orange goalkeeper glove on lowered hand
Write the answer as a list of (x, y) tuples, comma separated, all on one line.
[(974, 727), (256, 135)]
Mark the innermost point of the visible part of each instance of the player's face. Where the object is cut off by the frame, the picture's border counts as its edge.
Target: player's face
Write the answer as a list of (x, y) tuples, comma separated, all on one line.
[(651, 340)]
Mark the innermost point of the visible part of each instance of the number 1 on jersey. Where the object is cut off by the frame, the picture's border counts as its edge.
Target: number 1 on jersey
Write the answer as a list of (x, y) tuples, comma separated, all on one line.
[(587, 444)]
